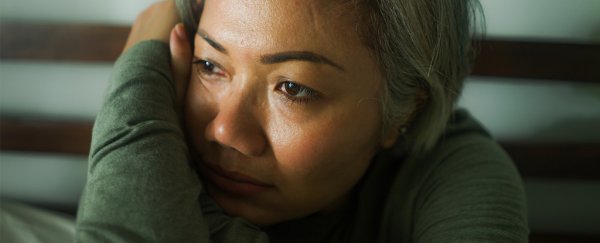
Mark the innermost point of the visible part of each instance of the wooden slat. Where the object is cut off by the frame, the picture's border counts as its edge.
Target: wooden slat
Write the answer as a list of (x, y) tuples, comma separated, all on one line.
[(538, 60), (45, 136), (550, 160), (500, 58), (61, 42), (565, 161)]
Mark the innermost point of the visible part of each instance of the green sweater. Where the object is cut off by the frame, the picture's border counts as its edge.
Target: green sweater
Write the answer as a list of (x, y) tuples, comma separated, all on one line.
[(141, 186)]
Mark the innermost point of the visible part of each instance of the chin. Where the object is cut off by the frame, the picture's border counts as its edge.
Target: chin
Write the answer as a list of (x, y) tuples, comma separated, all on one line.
[(238, 207)]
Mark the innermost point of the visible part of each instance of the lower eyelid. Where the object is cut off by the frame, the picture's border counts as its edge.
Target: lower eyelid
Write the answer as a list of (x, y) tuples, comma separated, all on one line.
[(298, 100), (288, 99)]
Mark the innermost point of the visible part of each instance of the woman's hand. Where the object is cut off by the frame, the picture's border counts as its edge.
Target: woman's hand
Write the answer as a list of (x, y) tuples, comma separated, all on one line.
[(154, 23), (181, 60), (160, 22)]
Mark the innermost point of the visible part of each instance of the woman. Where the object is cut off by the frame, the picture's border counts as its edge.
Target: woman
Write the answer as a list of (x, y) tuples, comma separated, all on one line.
[(298, 121)]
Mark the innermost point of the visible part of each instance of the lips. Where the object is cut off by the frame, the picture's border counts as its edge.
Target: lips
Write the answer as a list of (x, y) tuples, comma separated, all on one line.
[(233, 182)]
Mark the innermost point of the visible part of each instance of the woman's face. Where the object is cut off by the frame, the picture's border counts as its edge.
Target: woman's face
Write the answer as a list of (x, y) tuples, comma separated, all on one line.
[(281, 108)]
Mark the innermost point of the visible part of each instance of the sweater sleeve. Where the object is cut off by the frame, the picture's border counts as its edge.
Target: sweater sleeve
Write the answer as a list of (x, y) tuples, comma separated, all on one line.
[(140, 186), (472, 194)]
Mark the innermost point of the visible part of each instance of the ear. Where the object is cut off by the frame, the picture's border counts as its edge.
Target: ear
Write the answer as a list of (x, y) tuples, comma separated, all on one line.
[(389, 139)]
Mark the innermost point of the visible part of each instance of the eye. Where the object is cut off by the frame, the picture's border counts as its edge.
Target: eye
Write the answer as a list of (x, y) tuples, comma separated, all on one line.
[(208, 70), (296, 92)]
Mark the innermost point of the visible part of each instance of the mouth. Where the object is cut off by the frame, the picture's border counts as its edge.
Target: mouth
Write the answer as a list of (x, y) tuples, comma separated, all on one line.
[(234, 182)]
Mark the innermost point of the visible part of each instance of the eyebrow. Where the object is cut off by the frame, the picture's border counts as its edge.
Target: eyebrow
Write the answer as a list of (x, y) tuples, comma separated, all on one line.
[(298, 56), (211, 42), (277, 57)]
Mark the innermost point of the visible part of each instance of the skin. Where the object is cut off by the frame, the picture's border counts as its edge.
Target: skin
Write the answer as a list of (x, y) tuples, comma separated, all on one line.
[(160, 21), (305, 130)]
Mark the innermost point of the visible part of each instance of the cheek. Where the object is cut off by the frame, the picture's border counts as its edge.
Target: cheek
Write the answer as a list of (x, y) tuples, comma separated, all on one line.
[(197, 110), (340, 144)]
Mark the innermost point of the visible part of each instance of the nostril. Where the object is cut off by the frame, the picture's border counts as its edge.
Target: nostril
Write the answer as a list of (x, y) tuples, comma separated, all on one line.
[(209, 133), (244, 137), (237, 126)]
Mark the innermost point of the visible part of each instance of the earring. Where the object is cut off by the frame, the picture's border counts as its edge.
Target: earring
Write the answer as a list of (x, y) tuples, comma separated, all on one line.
[(403, 130)]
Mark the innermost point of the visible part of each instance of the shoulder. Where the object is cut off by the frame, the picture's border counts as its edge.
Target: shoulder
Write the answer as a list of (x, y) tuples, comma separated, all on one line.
[(466, 149), (466, 188)]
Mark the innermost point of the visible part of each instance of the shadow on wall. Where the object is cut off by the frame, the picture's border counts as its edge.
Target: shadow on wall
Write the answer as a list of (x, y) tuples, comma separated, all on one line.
[(582, 130), (595, 34)]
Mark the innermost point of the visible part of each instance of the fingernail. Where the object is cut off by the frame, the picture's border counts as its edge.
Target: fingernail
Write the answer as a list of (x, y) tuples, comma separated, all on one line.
[(180, 31)]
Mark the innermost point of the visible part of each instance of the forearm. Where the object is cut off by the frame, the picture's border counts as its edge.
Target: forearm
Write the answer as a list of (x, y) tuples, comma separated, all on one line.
[(140, 186)]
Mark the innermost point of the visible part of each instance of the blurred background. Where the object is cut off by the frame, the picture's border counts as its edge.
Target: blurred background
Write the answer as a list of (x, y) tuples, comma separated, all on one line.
[(536, 89)]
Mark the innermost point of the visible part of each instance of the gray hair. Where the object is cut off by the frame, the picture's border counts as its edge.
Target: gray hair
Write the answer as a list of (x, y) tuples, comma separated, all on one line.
[(424, 51)]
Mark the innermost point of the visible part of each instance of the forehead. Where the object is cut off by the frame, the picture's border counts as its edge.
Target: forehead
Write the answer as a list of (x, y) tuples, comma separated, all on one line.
[(276, 25)]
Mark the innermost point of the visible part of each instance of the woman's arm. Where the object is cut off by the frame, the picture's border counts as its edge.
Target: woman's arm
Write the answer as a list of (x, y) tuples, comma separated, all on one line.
[(141, 187)]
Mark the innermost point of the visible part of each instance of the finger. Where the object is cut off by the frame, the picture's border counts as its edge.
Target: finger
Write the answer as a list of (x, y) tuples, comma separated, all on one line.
[(181, 56), (154, 23)]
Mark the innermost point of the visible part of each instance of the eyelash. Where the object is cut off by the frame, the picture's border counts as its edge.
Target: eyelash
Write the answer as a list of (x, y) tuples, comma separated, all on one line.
[(281, 87), (203, 65), (310, 93)]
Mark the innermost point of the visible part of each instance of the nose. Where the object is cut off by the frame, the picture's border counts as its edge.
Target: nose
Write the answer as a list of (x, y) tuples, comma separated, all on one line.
[(236, 125)]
